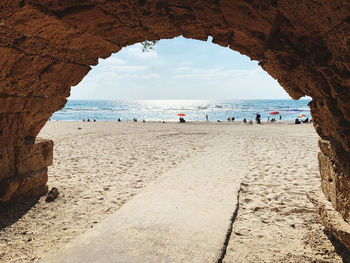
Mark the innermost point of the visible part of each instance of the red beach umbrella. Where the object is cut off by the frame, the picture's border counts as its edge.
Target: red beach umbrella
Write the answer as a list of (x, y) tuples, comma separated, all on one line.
[(274, 112), (181, 114)]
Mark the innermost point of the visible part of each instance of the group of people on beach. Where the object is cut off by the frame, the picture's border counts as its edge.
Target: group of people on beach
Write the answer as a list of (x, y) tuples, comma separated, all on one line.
[(229, 119), (297, 121), (272, 120), (134, 120), (257, 119), (118, 120)]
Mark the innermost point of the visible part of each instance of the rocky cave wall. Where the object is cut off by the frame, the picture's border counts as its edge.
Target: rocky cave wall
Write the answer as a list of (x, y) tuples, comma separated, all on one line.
[(47, 46)]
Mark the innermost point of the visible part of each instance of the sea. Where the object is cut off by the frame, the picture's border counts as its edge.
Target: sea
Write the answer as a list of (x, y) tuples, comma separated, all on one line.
[(168, 110)]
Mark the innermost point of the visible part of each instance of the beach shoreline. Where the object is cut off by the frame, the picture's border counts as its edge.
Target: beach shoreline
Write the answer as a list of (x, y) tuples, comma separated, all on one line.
[(235, 122), (194, 110), (99, 166)]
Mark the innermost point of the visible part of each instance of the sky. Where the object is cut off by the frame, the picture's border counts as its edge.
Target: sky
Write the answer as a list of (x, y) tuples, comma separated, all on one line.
[(178, 68)]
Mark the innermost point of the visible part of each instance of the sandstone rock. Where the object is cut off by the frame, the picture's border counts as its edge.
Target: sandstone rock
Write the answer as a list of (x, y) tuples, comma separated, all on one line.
[(52, 195), (7, 189), (7, 163), (17, 188), (334, 166), (330, 217), (328, 179), (35, 156)]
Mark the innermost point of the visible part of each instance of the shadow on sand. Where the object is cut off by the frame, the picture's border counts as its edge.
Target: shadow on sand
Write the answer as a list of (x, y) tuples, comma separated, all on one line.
[(10, 214), (339, 248)]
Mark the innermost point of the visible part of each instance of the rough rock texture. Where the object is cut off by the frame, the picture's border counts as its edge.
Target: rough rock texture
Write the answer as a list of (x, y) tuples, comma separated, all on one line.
[(330, 218), (28, 174), (334, 163), (47, 46)]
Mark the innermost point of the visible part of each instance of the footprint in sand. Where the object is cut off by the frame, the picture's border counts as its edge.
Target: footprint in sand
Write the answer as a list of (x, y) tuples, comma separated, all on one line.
[(247, 200)]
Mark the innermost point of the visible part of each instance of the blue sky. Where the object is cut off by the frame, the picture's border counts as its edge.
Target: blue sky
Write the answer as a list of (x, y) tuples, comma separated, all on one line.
[(178, 69)]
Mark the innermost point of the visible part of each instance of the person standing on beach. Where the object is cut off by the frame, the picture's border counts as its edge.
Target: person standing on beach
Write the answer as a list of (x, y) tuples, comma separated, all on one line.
[(206, 117), (280, 117), (258, 118)]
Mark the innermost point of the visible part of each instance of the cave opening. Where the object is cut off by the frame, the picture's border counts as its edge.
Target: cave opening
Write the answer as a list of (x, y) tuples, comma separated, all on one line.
[(48, 47)]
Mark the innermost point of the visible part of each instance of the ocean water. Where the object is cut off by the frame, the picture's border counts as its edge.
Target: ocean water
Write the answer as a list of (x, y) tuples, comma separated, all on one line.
[(167, 110)]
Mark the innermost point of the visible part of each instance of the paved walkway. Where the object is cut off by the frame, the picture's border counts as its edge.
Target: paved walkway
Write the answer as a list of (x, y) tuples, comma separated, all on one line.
[(182, 217)]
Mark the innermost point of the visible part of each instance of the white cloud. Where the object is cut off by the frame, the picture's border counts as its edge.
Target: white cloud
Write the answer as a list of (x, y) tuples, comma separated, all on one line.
[(215, 73), (150, 76), (127, 68), (186, 63), (105, 75), (112, 76), (114, 61), (177, 71), (184, 68)]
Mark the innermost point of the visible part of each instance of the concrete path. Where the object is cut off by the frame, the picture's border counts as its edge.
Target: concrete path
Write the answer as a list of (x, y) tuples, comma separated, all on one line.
[(182, 217)]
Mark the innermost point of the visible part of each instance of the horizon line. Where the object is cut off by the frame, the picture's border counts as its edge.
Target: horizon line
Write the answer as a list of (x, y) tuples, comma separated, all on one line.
[(187, 99)]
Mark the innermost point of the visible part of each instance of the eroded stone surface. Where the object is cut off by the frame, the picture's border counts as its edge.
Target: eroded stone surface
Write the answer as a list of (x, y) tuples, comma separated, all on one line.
[(7, 163), (16, 188), (47, 46), (331, 218), (25, 170), (34, 157), (334, 169)]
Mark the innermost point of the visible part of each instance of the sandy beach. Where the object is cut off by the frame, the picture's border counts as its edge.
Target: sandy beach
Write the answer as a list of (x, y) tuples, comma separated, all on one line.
[(100, 166)]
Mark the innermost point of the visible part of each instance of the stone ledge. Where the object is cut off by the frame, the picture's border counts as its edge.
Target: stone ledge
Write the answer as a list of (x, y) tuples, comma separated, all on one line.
[(329, 178), (330, 218), (23, 170), (33, 157), (7, 163), (21, 187)]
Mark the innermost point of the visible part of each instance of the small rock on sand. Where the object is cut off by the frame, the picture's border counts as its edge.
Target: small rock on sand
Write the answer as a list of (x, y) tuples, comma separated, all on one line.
[(53, 194)]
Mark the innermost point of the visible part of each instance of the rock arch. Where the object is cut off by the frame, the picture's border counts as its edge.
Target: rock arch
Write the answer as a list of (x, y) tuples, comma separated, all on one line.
[(47, 46)]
